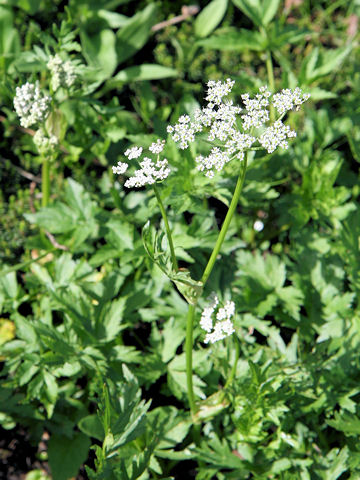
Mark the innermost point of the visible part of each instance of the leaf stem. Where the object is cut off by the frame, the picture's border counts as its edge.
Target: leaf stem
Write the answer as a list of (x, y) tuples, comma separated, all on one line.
[(167, 228)]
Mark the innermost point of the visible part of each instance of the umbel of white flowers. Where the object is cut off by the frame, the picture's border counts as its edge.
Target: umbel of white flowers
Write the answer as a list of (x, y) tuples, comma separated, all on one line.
[(150, 172), (31, 105), (220, 116), (220, 327), (62, 73)]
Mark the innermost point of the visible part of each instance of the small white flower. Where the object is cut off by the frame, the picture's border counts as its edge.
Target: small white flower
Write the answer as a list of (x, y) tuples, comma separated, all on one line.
[(149, 173), (218, 90), (184, 131), (223, 326), (157, 147), (215, 161), (275, 136), (120, 168), (206, 321), (31, 105), (289, 99), (258, 226), (133, 152), (256, 109)]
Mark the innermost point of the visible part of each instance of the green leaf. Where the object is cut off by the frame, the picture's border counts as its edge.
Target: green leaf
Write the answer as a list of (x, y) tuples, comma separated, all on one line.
[(261, 12), (346, 422), (210, 17), (320, 63), (171, 427), (100, 52), (134, 35), (9, 285), (239, 40), (112, 322), (66, 455), (191, 289), (9, 36), (25, 330), (268, 10), (212, 406), (57, 218), (142, 72), (92, 427), (121, 234)]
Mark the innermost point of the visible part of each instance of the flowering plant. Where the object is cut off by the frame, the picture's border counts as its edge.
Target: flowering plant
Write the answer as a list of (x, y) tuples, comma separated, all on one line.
[(233, 131)]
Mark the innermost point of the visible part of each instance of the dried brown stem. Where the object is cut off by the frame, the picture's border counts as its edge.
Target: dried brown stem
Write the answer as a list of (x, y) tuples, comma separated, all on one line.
[(186, 12)]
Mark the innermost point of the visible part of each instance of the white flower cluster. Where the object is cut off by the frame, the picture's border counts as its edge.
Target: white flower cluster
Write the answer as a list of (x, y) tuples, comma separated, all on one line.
[(256, 109), (62, 73), (289, 100), (184, 131), (133, 152), (30, 104), (223, 326), (150, 172), (120, 168), (157, 147), (45, 142), (275, 136), (220, 117)]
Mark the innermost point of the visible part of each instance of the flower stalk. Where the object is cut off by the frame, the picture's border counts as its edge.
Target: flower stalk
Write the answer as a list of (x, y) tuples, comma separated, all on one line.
[(167, 228), (208, 269), (45, 181)]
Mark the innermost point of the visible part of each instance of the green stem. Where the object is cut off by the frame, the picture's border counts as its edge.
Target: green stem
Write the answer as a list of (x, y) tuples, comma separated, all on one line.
[(45, 182), (206, 274), (167, 228), (233, 369), (188, 354), (226, 223), (271, 80)]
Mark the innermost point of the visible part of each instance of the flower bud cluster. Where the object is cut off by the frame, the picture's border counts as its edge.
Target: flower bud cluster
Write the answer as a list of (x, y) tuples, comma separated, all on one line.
[(220, 327), (220, 117), (44, 142), (150, 172), (30, 104), (62, 73)]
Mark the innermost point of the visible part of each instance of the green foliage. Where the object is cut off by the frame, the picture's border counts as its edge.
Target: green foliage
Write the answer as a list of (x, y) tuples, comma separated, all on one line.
[(92, 310)]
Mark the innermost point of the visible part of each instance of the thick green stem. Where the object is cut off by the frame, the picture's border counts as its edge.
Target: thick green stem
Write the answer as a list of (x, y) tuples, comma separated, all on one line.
[(45, 182), (167, 228), (206, 274), (226, 223), (271, 80), (188, 354), (233, 369)]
